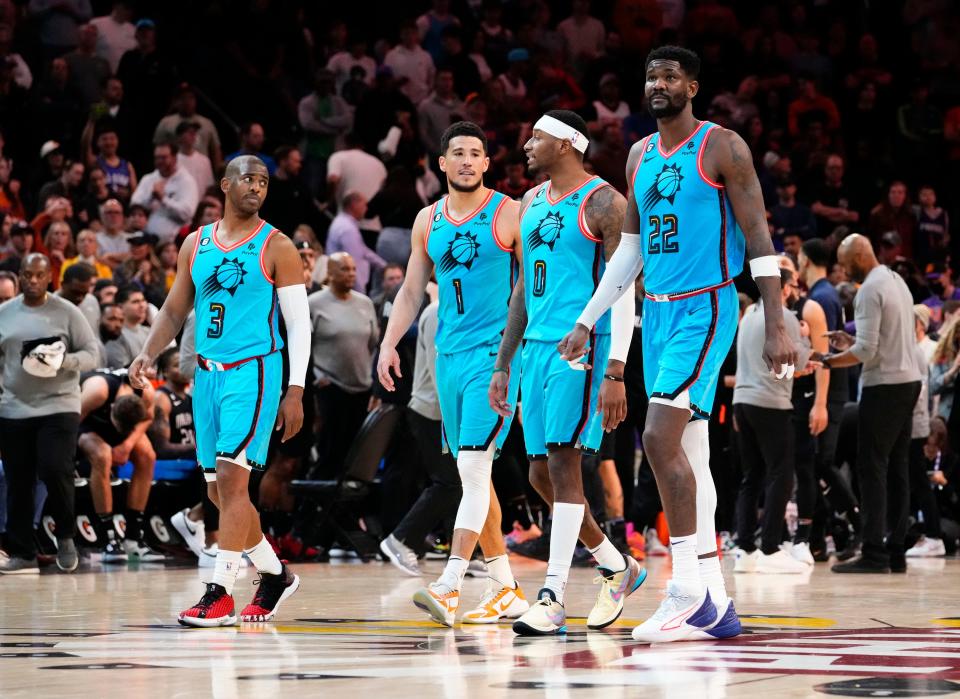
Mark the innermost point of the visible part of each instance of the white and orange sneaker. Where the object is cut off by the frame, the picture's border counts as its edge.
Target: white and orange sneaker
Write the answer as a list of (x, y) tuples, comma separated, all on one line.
[(439, 601), (679, 617), (497, 603)]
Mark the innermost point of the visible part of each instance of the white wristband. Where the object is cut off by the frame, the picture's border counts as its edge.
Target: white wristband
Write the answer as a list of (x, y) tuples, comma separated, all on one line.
[(766, 266)]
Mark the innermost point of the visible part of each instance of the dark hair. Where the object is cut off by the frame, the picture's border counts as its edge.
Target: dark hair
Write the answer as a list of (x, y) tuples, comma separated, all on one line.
[(104, 307), (128, 411), (817, 251), (138, 207), (462, 128), (79, 272), (394, 265), (688, 60), (125, 292), (786, 276), (168, 144), (247, 127), (282, 152), (950, 306), (571, 119), (164, 359), (103, 284), (105, 125)]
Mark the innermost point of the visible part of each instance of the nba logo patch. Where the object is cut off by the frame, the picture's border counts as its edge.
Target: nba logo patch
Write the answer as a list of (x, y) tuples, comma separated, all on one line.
[(205, 241)]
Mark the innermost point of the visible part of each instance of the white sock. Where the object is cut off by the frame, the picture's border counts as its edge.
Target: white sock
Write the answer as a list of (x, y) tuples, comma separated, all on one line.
[(264, 558), (712, 578), (608, 557), (567, 518), (453, 573), (498, 570), (686, 573), (226, 568)]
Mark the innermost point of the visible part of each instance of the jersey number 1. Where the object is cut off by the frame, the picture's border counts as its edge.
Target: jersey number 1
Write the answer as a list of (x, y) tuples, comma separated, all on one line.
[(216, 320), (666, 229)]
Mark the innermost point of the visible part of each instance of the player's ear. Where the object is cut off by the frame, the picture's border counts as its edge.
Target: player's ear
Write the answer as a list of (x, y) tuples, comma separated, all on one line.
[(443, 163), (224, 184), (486, 163), (693, 87)]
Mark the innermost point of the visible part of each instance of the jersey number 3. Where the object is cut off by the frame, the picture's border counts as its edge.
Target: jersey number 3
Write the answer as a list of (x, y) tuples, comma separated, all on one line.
[(662, 234), (216, 320)]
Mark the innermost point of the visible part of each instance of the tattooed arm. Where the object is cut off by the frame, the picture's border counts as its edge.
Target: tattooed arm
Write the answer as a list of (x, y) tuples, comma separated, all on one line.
[(727, 158)]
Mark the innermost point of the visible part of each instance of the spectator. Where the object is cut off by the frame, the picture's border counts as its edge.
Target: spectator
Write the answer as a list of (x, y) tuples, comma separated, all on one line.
[(308, 257), (345, 236), (585, 36), (192, 160), (115, 33), (735, 110), (944, 367), (432, 26), (167, 254), (21, 241), (886, 345), (928, 346), (933, 227), (143, 271), (52, 163), (324, 117), (58, 111), (110, 328), (515, 184), (208, 139), (609, 157), (396, 205), (378, 111), (438, 111), (111, 240), (69, 185), (289, 203), (252, 139), (105, 290), (88, 70), (941, 280), (120, 352), (10, 202), (121, 178), (343, 63), (169, 193), (894, 214), (789, 215), (930, 461), (19, 70), (137, 217), (831, 199), (58, 242), (809, 105), (792, 243), (304, 233), (609, 108), (76, 286), (410, 64), (355, 170), (45, 343), (59, 23), (514, 86), (345, 333), (464, 70), (9, 286)]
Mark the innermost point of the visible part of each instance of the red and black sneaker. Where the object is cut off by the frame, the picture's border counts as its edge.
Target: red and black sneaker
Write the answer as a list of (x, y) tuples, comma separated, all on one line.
[(293, 548), (272, 591), (215, 608)]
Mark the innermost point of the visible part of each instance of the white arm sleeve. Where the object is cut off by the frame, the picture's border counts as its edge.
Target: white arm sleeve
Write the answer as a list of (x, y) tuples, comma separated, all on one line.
[(622, 270), (621, 326), (296, 316)]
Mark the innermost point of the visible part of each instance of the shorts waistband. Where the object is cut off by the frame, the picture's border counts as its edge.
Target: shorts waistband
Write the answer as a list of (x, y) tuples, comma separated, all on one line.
[(686, 294), (211, 365)]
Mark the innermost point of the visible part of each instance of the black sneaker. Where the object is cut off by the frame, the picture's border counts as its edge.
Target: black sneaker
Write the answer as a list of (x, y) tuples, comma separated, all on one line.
[(272, 590), (851, 550), (538, 549), (113, 551), (861, 565)]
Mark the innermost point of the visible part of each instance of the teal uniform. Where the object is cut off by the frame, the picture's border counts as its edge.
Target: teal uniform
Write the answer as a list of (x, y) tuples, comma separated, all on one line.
[(476, 275), (237, 385), (562, 265), (693, 249)]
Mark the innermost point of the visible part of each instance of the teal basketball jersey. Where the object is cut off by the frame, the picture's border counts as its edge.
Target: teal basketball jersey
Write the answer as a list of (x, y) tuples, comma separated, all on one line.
[(562, 261), (235, 300), (475, 274), (690, 237)]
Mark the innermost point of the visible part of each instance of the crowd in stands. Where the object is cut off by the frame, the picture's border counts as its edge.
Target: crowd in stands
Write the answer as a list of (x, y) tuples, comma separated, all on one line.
[(117, 118)]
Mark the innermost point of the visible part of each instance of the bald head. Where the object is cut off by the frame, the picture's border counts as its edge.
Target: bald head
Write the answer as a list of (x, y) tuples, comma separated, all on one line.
[(342, 272), (36, 261), (244, 165), (856, 256), (244, 185), (34, 278)]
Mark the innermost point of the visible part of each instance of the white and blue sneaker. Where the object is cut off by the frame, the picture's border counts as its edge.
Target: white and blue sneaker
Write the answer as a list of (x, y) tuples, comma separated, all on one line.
[(546, 617), (679, 616), (727, 625)]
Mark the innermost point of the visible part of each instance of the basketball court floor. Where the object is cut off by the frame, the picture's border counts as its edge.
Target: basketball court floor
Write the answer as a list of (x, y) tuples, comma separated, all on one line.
[(352, 630)]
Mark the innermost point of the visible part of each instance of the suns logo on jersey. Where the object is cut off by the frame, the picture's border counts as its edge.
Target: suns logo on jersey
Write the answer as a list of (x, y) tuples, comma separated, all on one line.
[(226, 276), (547, 231), (463, 250), (665, 186)]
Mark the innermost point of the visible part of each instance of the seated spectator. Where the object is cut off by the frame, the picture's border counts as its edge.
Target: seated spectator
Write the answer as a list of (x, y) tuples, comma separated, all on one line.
[(941, 280), (438, 110), (831, 199), (142, 270), (69, 185), (87, 247), (192, 160), (121, 351), (97, 193), (890, 249), (76, 288), (252, 139), (411, 65), (114, 418), (109, 328), (515, 184), (933, 227), (115, 32), (396, 205), (308, 257), (789, 215), (58, 242), (208, 139), (894, 213), (137, 217), (111, 239), (121, 177), (9, 286), (209, 211), (169, 193), (810, 104), (87, 69), (105, 290), (345, 236), (21, 243)]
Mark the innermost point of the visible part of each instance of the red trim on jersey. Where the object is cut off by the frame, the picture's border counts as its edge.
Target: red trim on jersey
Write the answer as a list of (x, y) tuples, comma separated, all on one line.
[(235, 245), (256, 412), (725, 272), (196, 246), (679, 145), (581, 215), (636, 170), (263, 250), (493, 226), (686, 294), (273, 306), (426, 238), (703, 144), (553, 202), (469, 216)]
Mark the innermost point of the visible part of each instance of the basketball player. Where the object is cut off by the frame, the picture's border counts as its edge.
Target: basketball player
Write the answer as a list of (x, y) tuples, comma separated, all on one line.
[(468, 239), (569, 225), (235, 273), (693, 198)]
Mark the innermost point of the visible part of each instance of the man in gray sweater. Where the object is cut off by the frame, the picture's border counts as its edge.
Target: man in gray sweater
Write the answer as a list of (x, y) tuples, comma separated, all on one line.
[(883, 310), (45, 342)]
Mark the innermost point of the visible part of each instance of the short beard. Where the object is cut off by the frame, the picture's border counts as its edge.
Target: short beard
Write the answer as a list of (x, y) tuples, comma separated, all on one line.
[(671, 110), (466, 189)]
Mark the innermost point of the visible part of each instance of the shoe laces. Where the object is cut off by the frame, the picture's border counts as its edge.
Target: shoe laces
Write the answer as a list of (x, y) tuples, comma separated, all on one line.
[(674, 602), (210, 596), (264, 584)]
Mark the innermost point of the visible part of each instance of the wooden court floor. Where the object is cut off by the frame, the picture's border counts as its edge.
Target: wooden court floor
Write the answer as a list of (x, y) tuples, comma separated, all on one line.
[(351, 630)]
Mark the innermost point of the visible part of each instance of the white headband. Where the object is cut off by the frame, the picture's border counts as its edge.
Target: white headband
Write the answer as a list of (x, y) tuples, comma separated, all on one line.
[(558, 129)]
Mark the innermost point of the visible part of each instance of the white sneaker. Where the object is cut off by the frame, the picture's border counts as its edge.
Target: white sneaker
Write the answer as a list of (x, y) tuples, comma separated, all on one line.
[(402, 557), (614, 589), (191, 532), (498, 602), (801, 552), (654, 547), (927, 547), (439, 601), (745, 562), (208, 557), (546, 617), (679, 617), (139, 551), (779, 562)]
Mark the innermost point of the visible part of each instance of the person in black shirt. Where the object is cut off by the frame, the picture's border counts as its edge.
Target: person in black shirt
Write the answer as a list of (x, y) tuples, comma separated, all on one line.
[(832, 200)]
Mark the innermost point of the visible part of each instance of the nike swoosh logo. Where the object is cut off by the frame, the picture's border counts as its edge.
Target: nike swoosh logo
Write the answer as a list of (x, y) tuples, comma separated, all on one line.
[(808, 394), (647, 160), (536, 203), (503, 606), (200, 252)]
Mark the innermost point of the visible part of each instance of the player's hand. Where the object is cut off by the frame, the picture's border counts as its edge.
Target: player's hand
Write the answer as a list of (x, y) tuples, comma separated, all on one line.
[(818, 419), (841, 339), (389, 359), (574, 344), (779, 352), (497, 393), (612, 402), (137, 372), (121, 453), (290, 415)]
